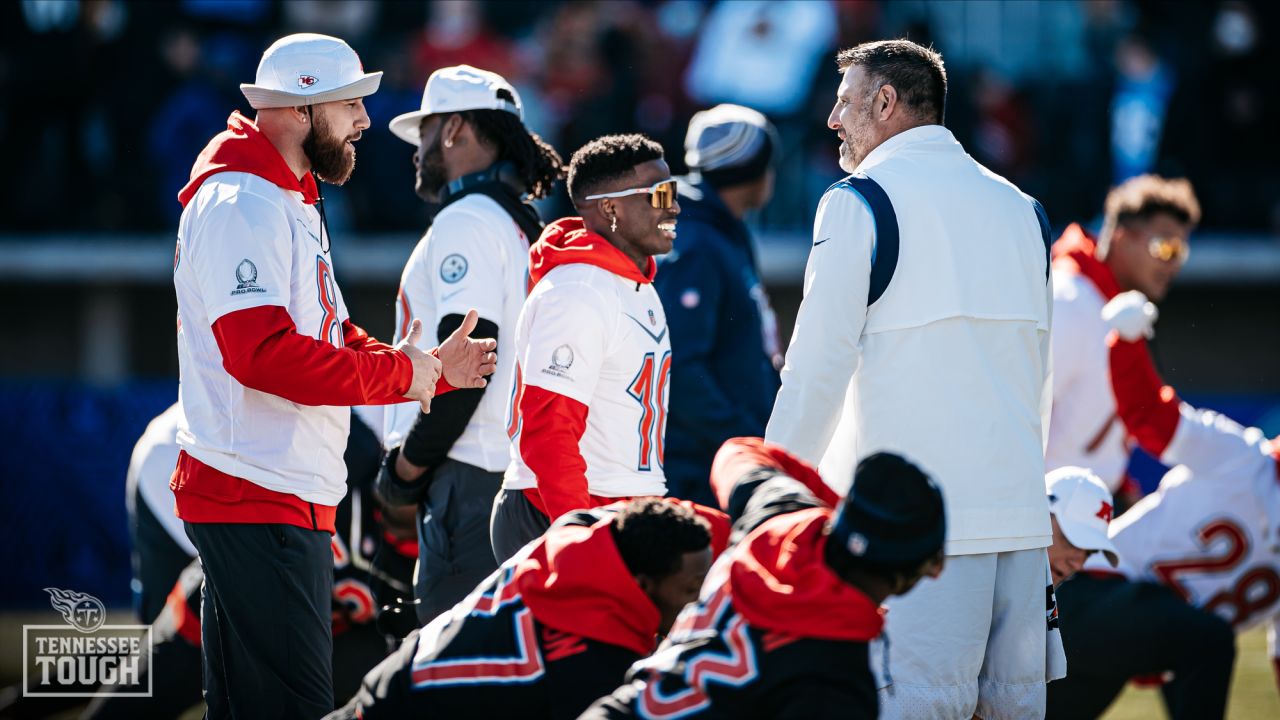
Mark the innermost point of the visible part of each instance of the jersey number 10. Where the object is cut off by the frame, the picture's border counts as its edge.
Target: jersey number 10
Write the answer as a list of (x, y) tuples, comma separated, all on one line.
[(649, 388)]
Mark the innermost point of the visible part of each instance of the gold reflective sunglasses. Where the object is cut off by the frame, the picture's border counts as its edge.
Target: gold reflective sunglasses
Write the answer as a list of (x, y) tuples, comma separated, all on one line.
[(661, 195), (1166, 249)]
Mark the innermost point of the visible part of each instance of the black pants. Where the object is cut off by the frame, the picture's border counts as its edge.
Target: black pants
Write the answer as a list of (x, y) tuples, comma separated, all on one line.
[(454, 551), (515, 523), (266, 620), (1113, 630)]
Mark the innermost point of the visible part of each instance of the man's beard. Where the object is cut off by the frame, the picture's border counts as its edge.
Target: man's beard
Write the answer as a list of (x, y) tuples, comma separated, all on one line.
[(329, 156), (431, 173)]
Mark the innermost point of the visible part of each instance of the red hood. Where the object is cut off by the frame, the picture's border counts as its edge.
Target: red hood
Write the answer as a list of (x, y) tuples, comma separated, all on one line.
[(575, 581), (1076, 252), (243, 148), (780, 582), (567, 241)]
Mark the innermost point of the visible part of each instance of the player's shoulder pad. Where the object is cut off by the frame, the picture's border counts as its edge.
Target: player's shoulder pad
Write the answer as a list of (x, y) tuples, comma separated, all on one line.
[(884, 251)]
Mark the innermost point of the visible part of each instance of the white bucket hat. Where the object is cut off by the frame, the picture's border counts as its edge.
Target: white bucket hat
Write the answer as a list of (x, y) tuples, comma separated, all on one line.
[(1083, 506), (309, 69), (454, 89)]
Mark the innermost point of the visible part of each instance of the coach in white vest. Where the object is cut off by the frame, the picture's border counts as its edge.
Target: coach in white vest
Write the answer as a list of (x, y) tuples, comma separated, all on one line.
[(924, 331)]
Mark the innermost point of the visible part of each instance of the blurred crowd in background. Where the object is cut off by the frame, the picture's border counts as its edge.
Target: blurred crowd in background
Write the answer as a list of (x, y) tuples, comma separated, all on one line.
[(107, 102)]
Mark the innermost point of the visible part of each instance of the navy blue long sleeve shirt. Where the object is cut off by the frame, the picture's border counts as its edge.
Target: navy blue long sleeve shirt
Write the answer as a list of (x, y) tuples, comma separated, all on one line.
[(723, 340)]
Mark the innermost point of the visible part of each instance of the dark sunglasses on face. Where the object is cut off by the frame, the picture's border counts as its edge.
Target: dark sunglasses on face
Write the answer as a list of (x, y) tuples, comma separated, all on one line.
[(661, 195)]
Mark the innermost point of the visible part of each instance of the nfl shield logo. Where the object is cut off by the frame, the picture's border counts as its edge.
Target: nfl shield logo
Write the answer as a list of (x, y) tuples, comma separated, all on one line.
[(652, 320)]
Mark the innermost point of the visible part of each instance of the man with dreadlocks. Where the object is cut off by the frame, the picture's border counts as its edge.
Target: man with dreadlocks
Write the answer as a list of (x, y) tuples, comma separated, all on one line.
[(479, 165)]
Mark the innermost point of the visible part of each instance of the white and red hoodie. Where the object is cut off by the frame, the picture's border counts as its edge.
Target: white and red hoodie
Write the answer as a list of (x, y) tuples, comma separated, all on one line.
[(1084, 429), (268, 357), (593, 357)]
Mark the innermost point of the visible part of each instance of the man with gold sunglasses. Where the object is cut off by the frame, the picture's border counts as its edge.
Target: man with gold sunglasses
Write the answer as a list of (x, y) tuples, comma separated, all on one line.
[(1142, 247), (587, 415)]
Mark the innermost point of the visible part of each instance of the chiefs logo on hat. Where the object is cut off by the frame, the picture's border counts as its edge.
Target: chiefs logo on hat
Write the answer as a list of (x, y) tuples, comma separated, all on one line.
[(306, 81)]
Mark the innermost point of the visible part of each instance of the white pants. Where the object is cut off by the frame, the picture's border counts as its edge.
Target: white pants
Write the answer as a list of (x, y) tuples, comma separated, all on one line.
[(981, 639)]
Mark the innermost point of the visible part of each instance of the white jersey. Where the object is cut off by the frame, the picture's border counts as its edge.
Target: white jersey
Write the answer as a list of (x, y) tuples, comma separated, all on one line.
[(1084, 430), (601, 340), (949, 366), (150, 468), (245, 242), (473, 256), (1211, 532)]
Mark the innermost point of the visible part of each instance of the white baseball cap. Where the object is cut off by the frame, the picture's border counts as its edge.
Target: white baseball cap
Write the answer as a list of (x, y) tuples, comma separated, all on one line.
[(454, 89), (309, 69), (1083, 506)]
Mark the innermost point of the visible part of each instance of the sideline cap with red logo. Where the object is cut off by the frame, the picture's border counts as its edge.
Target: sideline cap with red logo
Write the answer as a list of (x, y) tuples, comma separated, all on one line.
[(309, 69), (455, 89), (1083, 506)]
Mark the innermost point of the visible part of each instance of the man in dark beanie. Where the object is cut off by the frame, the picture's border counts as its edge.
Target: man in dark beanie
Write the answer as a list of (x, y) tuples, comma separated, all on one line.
[(782, 626), (724, 343)]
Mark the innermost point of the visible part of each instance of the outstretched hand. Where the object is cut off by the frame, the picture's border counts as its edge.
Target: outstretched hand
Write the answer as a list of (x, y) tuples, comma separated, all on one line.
[(1131, 315), (468, 360), (426, 368)]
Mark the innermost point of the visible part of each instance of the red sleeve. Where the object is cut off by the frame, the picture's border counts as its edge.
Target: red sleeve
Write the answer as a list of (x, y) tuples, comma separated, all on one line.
[(552, 426), (739, 456), (1148, 408), (357, 339), (262, 349)]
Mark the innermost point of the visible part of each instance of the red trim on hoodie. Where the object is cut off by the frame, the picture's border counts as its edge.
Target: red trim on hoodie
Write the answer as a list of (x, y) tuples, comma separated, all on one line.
[(186, 621), (243, 148), (575, 581), (262, 349), (568, 241), (203, 494), (1077, 252), (1148, 408), (780, 581), (739, 456)]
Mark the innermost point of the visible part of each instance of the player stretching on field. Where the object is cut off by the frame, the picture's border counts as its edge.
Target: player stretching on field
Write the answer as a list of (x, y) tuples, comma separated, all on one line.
[(555, 627), (1208, 534), (782, 626), (589, 405)]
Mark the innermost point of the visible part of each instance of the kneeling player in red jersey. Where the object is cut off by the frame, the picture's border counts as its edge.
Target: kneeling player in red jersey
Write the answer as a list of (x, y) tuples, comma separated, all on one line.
[(782, 625), (556, 626)]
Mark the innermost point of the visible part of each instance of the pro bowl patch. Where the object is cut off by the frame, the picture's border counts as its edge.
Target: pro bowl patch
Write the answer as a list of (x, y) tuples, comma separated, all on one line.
[(453, 268)]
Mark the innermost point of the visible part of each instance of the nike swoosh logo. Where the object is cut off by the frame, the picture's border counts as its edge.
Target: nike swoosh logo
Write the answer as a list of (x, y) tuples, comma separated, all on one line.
[(816, 244), (656, 338), (447, 296)]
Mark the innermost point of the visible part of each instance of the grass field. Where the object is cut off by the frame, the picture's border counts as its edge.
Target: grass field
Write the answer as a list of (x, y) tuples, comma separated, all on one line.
[(1253, 688)]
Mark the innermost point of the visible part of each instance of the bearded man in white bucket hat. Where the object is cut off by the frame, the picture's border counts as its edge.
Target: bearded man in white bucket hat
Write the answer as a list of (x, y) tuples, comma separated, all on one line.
[(268, 357)]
